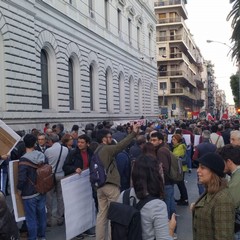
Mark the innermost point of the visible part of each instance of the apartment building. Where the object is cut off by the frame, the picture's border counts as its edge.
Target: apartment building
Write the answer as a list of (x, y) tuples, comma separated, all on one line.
[(76, 61), (179, 62)]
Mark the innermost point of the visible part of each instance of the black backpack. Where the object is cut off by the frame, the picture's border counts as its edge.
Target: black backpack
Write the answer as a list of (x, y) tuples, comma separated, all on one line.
[(126, 219), (98, 173)]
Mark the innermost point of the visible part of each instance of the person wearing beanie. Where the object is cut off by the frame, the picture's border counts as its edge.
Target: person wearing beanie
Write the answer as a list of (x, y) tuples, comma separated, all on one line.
[(214, 211), (201, 149)]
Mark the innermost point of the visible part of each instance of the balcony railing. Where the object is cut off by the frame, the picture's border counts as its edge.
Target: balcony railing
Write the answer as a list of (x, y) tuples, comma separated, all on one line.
[(169, 20), (182, 91), (166, 3), (170, 38), (176, 55), (172, 73), (187, 75)]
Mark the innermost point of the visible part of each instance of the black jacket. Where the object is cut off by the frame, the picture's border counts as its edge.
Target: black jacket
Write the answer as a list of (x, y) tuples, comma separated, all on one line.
[(74, 160)]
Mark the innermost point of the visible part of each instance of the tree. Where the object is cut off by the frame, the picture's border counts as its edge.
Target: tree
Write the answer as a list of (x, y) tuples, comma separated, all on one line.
[(234, 83), (235, 16)]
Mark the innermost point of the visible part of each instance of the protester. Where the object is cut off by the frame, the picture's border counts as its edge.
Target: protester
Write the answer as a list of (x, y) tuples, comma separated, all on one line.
[(56, 156), (235, 137), (179, 150), (78, 160), (214, 212), (34, 203), (110, 191), (201, 149), (67, 141), (216, 138), (231, 156), (164, 158), (41, 142), (148, 182)]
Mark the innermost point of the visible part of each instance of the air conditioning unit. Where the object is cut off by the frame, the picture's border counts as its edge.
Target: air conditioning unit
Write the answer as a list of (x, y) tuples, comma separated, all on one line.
[(92, 14)]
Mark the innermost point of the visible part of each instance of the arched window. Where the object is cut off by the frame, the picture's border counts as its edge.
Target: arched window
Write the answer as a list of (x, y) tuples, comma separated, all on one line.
[(131, 94), (109, 90), (2, 92), (71, 84), (121, 87), (91, 85), (140, 96), (152, 97), (44, 80)]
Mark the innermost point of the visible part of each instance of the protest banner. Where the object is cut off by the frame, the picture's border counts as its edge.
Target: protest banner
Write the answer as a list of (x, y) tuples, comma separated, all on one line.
[(80, 212)]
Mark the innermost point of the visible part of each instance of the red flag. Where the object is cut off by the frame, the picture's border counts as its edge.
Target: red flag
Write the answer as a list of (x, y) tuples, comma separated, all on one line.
[(225, 115)]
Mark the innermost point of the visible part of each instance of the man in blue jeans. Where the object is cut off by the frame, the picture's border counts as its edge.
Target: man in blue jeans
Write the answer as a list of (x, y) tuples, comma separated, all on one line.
[(34, 202)]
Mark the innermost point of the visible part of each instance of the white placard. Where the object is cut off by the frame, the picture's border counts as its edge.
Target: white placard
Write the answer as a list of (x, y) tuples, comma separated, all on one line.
[(196, 140), (16, 198), (187, 138), (80, 212)]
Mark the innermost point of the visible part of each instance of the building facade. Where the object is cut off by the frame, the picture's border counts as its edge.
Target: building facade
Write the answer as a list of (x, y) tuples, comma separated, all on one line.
[(76, 62), (179, 62)]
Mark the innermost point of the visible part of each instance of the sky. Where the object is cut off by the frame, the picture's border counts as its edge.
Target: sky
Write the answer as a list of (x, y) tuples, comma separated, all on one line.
[(207, 21)]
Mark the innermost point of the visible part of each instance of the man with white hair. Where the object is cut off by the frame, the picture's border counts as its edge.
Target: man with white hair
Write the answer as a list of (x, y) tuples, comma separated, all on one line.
[(235, 137)]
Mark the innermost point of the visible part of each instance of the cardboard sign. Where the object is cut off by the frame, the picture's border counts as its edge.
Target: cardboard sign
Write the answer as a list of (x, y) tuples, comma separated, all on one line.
[(8, 138)]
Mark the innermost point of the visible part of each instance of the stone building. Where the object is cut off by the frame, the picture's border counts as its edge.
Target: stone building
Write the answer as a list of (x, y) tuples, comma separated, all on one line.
[(76, 62)]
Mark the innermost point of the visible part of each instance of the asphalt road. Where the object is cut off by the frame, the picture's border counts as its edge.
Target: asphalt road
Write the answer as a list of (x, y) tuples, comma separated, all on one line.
[(184, 218)]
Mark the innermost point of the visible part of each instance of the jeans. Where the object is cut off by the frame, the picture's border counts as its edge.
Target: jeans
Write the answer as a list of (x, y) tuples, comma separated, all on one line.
[(35, 214), (169, 199)]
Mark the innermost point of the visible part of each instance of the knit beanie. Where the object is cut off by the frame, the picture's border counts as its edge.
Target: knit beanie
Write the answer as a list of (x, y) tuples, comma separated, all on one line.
[(214, 162)]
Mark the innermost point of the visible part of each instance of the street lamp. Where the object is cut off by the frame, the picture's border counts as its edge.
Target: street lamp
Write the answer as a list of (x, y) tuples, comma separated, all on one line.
[(213, 41)]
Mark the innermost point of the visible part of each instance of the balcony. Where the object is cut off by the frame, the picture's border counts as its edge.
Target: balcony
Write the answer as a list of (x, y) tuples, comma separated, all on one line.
[(184, 76), (172, 4), (182, 92), (183, 44), (164, 21)]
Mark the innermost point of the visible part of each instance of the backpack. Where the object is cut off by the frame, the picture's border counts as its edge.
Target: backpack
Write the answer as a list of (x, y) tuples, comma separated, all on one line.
[(45, 177), (175, 171), (126, 219), (98, 174)]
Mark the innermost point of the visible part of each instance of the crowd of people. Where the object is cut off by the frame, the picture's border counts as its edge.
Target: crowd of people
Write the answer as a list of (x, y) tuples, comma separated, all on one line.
[(136, 157)]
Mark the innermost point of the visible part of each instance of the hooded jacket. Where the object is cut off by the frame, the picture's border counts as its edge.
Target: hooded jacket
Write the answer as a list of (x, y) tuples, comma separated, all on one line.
[(27, 173)]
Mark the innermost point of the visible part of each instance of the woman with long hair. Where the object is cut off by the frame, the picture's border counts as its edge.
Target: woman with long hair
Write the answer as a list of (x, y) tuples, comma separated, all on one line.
[(214, 212), (147, 181)]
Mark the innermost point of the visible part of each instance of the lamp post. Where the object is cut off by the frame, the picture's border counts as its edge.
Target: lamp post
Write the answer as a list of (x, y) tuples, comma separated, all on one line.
[(230, 48)]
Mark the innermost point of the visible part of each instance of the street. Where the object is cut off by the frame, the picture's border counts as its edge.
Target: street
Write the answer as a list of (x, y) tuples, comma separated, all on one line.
[(184, 218)]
